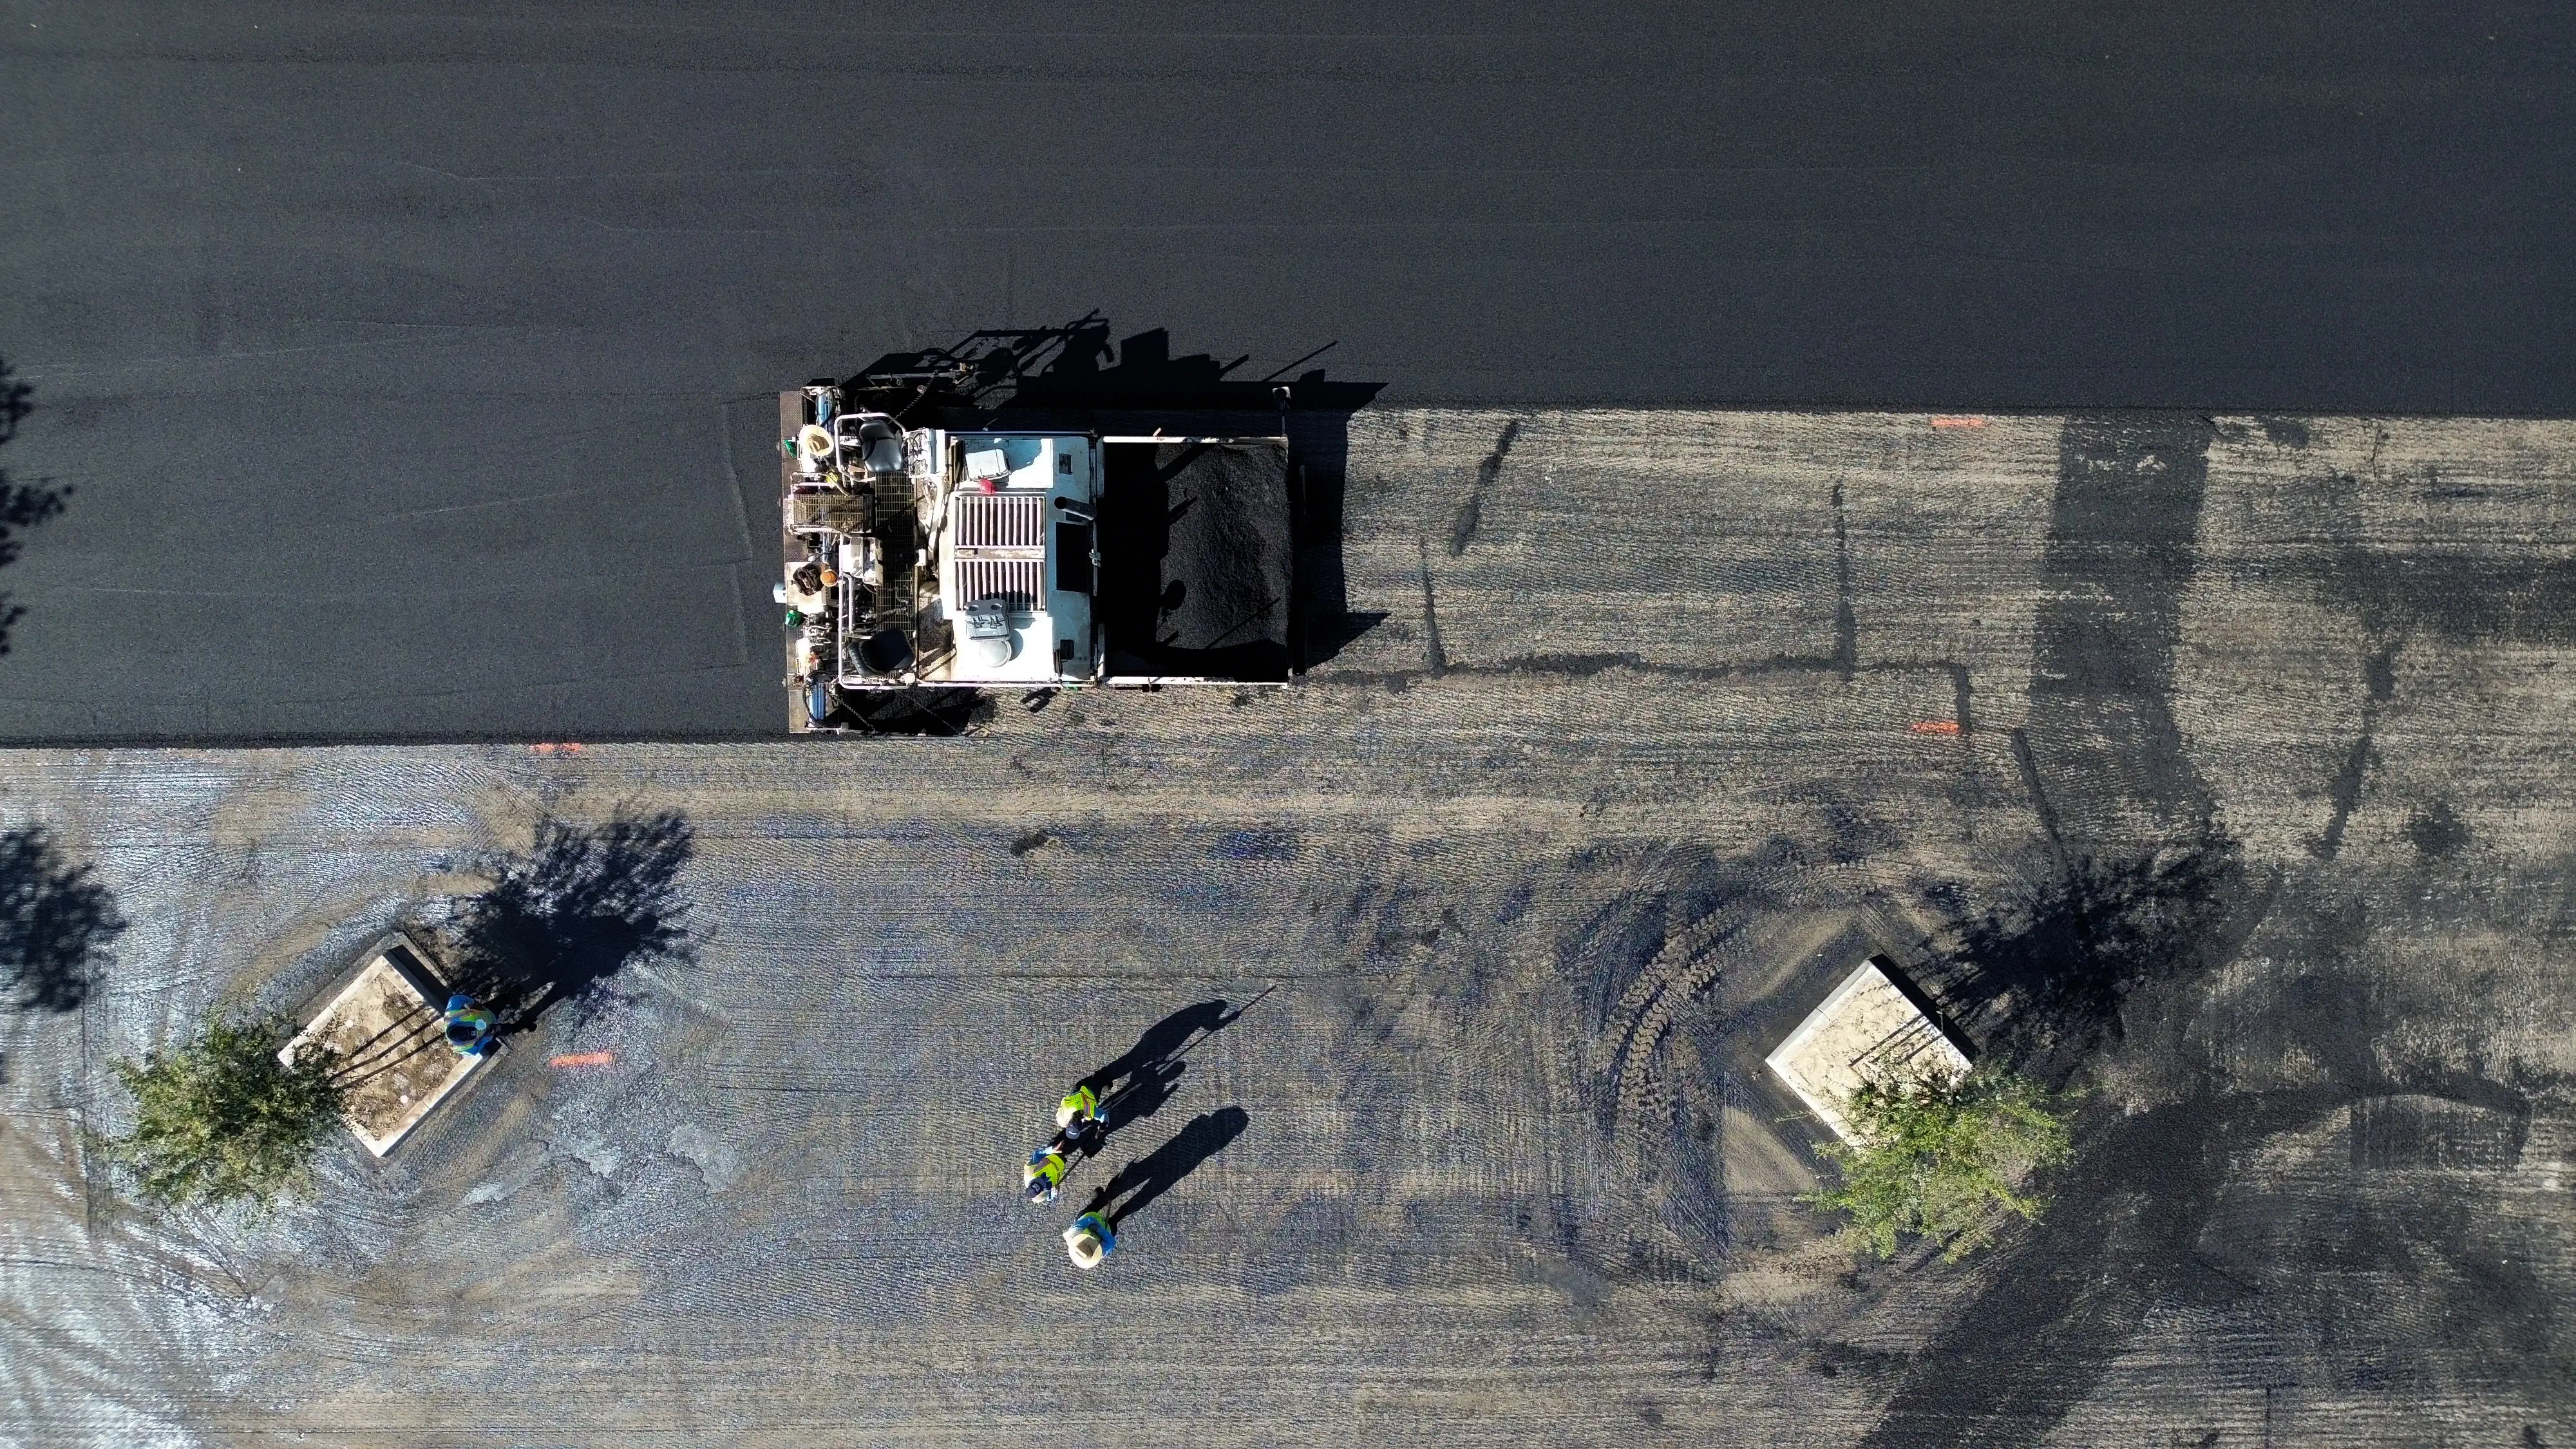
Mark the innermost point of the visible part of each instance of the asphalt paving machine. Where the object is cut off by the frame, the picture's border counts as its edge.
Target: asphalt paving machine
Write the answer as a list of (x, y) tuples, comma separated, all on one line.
[(952, 547)]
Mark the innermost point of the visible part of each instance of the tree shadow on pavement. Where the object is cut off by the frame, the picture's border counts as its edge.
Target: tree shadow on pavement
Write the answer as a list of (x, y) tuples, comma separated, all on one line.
[(2042, 979), (1158, 1172), (22, 505), (55, 922), (582, 905)]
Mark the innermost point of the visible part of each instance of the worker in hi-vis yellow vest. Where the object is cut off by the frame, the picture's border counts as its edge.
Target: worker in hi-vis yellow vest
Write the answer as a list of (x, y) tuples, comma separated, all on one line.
[(1045, 1173), (1079, 1115)]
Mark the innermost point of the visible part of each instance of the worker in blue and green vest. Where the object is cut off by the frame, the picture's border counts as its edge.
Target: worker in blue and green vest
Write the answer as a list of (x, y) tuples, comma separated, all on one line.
[(1089, 1240), (468, 1024)]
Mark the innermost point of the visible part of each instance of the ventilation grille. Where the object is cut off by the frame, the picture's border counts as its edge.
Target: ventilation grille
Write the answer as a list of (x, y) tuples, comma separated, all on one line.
[(1020, 580), (1000, 520)]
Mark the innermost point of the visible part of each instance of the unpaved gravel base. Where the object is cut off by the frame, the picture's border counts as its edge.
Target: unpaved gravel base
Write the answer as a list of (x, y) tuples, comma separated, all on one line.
[(1536, 868)]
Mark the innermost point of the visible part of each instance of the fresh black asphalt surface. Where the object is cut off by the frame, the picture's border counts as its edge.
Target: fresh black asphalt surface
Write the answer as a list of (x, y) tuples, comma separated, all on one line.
[(410, 367)]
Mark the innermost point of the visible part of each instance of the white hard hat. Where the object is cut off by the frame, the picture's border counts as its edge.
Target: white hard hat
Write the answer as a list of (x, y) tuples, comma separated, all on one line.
[(1084, 1247)]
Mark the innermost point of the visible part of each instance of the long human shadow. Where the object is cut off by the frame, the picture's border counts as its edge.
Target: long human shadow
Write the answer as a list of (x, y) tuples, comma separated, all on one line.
[(22, 505), (1137, 1184), (1135, 1085), (56, 923), (583, 904)]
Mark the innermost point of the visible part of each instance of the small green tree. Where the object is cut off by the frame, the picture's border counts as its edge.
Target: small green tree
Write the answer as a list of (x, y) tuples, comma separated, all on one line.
[(1943, 1158), (221, 1120)]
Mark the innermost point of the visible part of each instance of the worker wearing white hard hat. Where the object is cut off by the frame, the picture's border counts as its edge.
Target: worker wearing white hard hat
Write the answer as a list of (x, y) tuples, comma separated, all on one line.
[(1089, 1240)]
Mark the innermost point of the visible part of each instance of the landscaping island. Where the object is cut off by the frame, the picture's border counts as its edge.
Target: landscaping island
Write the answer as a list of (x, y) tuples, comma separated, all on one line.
[(387, 1028)]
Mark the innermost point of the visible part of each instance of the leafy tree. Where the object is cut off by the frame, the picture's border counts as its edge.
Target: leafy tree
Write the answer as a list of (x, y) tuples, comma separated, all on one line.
[(221, 1120), (1943, 1158)]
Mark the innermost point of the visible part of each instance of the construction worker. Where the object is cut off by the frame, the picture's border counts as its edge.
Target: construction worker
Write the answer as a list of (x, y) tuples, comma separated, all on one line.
[(469, 1026), (1089, 1240), (1079, 1115), (1045, 1173)]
